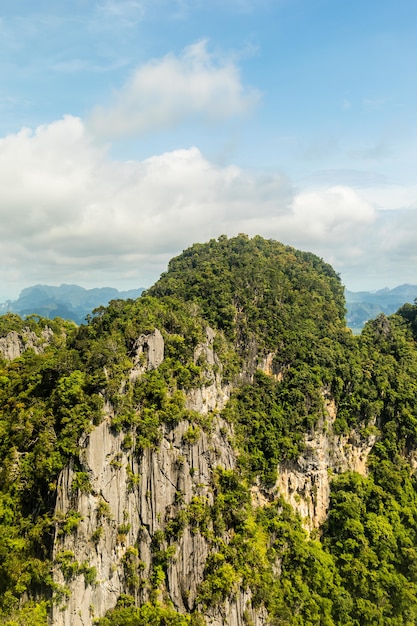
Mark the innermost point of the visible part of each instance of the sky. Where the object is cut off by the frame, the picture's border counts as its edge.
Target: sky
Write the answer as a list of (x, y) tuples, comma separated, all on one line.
[(131, 129)]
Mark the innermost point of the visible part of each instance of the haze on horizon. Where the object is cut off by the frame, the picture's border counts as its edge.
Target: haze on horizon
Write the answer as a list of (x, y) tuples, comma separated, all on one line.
[(131, 129)]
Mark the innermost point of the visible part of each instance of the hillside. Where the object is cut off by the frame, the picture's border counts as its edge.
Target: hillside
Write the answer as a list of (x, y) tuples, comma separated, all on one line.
[(71, 302), (220, 451)]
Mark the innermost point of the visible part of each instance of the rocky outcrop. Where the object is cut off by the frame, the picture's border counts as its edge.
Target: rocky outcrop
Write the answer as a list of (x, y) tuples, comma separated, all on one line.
[(129, 499), (15, 344), (148, 353), (212, 396), (115, 506), (268, 366), (111, 514), (305, 483)]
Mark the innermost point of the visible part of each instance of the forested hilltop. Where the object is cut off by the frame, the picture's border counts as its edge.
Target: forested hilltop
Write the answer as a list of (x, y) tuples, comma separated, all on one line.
[(221, 450)]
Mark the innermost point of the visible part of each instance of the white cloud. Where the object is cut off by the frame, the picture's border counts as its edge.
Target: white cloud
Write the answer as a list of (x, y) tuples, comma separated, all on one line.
[(392, 197), (167, 91), (334, 212), (70, 213)]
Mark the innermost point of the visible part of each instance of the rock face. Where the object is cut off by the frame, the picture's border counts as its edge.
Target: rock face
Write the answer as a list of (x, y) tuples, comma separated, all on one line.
[(113, 510), (14, 344), (305, 484), (148, 353), (125, 500), (130, 499)]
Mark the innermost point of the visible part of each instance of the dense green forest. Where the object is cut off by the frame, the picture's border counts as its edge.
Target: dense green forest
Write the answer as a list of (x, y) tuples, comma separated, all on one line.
[(261, 297)]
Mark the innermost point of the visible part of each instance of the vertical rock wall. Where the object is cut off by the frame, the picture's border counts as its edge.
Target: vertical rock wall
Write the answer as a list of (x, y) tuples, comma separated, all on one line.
[(129, 501), (305, 483), (107, 525), (15, 344)]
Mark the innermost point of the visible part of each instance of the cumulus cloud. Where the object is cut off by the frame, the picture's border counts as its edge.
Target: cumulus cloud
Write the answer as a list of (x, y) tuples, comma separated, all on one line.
[(165, 92), (335, 212), (71, 213)]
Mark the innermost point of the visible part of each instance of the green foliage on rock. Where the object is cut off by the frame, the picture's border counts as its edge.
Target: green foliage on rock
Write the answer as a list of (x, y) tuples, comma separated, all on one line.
[(270, 308), (125, 614), (31, 614), (46, 403)]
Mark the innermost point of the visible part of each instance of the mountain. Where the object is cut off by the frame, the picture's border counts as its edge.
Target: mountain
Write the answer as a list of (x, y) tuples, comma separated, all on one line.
[(221, 451), (365, 305), (70, 302)]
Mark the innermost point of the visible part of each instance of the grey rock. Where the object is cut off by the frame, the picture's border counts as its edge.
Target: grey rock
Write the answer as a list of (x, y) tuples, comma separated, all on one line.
[(14, 344), (133, 496)]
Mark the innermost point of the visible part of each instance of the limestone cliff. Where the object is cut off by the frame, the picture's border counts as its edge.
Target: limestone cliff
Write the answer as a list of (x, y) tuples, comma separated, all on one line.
[(129, 499), (110, 524), (14, 344), (305, 483)]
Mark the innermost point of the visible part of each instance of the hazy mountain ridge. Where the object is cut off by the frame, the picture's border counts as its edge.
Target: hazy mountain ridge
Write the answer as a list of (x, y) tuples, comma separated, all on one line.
[(365, 305), (73, 302), (70, 302)]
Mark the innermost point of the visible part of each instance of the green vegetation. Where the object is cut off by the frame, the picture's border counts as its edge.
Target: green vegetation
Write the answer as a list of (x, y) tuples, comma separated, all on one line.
[(71, 568), (46, 403), (146, 615), (308, 589), (272, 308)]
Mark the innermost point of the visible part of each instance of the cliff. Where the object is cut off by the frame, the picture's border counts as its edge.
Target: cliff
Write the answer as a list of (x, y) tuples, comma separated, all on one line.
[(220, 451), (129, 502), (130, 499), (14, 344)]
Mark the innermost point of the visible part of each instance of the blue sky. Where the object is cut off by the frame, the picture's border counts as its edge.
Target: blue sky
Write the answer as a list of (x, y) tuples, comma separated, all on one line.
[(131, 129)]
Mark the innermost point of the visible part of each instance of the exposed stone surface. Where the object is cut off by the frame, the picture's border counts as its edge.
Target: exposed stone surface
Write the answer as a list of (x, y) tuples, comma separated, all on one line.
[(237, 613), (305, 484), (15, 344), (213, 396), (133, 496), (148, 353), (129, 500), (270, 368)]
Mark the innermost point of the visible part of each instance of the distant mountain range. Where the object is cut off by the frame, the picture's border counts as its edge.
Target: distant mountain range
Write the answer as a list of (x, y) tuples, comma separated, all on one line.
[(365, 305), (73, 302), (70, 302)]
